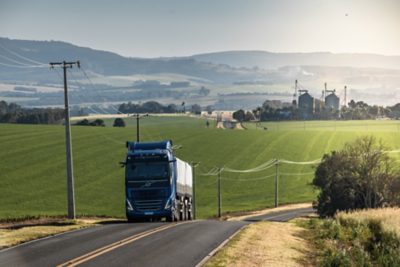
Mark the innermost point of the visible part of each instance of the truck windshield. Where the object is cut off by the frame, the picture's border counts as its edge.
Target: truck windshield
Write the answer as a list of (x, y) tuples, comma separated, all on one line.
[(147, 170)]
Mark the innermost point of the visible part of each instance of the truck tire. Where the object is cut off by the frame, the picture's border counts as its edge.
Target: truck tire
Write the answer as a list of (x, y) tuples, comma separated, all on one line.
[(181, 210), (170, 218), (190, 210), (186, 209)]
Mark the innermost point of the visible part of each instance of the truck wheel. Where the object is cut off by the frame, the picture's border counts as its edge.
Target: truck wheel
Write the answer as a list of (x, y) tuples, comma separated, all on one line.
[(186, 210), (176, 211), (181, 210), (181, 217), (190, 210), (170, 218)]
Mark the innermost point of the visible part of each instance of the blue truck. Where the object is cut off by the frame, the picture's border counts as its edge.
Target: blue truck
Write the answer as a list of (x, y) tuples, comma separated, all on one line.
[(157, 184)]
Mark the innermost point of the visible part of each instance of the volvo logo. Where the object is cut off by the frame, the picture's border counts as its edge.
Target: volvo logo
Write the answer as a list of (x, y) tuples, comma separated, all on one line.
[(147, 184)]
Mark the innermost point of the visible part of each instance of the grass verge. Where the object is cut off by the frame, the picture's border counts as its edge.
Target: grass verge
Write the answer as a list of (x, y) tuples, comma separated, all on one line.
[(265, 244), (362, 238), (18, 232)]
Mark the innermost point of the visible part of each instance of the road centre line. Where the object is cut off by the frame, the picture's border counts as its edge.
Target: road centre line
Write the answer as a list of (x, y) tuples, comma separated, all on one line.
[(115, 245)]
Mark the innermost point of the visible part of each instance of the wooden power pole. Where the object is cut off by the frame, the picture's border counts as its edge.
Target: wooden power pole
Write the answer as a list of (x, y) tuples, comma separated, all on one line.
[(138, 117), (70, 171), (276, 183)]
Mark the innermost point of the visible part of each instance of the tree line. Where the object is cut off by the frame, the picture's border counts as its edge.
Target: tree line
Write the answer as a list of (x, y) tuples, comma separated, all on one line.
[(13, 113), (148, 107), (155, 107), (274, 110)]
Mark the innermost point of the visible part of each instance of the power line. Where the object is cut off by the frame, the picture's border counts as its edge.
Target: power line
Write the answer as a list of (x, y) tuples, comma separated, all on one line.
[(22, 57), (20, 66), (249, 179), (18, 62), (296, 174), (79, 86), (316, 161), (216, 180), (111, 105), (94, 88), (114, 140), (259, 168)]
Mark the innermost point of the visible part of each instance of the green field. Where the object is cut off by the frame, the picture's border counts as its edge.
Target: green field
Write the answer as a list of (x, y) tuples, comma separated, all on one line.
[(33, 176)]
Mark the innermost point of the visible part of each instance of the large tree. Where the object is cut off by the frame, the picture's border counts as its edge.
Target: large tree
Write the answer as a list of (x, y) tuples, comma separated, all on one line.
[(362, 175)]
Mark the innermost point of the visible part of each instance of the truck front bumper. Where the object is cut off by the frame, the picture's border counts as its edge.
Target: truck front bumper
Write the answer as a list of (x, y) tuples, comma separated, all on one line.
[(148, 214)]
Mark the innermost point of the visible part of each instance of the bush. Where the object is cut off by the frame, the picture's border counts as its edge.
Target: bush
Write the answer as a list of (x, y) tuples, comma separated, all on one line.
[(118, 122), (360, 176), (85, 122), (348, 242), (98, 122)]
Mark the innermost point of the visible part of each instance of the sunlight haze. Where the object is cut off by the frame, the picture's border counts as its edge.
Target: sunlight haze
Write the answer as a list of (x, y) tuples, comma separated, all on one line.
[(182, 28)]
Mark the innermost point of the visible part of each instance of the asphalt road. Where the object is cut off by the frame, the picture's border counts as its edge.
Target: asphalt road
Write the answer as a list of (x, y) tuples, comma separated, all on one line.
[(140, 244), (281, 216)]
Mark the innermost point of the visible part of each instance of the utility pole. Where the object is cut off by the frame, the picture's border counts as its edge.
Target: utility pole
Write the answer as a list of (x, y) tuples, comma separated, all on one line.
[(219, 192), (138, 117), (294, 102), (68, 143), (276, 182), (194, 165), (345, 96)]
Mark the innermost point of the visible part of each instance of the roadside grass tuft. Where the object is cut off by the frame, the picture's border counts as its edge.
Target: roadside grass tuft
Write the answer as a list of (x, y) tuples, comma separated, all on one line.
[(365, 239)]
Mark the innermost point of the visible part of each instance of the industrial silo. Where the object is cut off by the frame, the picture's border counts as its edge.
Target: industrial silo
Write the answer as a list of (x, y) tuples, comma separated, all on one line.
[(306, 105), (332, 101)]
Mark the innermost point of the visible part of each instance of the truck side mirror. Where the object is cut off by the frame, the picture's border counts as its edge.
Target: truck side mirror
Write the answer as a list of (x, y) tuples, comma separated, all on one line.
[(123, 164)]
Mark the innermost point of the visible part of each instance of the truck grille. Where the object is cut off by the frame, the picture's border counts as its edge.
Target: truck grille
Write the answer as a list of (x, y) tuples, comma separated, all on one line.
[(149, 205), (149, 199)]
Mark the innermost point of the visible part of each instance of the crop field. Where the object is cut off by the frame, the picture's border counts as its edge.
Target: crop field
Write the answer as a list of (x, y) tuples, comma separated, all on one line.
[(33, 175)]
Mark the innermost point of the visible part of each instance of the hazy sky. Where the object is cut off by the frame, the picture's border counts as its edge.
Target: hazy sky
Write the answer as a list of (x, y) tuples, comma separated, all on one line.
[(152, 28)]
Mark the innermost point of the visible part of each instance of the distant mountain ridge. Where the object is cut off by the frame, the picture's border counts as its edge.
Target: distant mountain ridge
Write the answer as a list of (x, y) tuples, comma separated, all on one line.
[(269, 60), (110, 63)]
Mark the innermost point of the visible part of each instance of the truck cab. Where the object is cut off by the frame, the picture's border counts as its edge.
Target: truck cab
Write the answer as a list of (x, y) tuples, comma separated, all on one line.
[(157, 184)]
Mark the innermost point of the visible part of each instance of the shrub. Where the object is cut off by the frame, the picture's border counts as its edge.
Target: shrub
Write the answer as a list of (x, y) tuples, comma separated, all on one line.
[(347, 241), (119, 122), (360, 176)]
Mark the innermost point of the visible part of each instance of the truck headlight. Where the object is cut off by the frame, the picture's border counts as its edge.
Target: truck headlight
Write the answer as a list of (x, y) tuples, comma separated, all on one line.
[(129, 205)]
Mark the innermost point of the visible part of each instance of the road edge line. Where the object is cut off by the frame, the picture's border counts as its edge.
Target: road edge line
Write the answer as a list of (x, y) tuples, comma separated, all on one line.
[(214, 251)]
